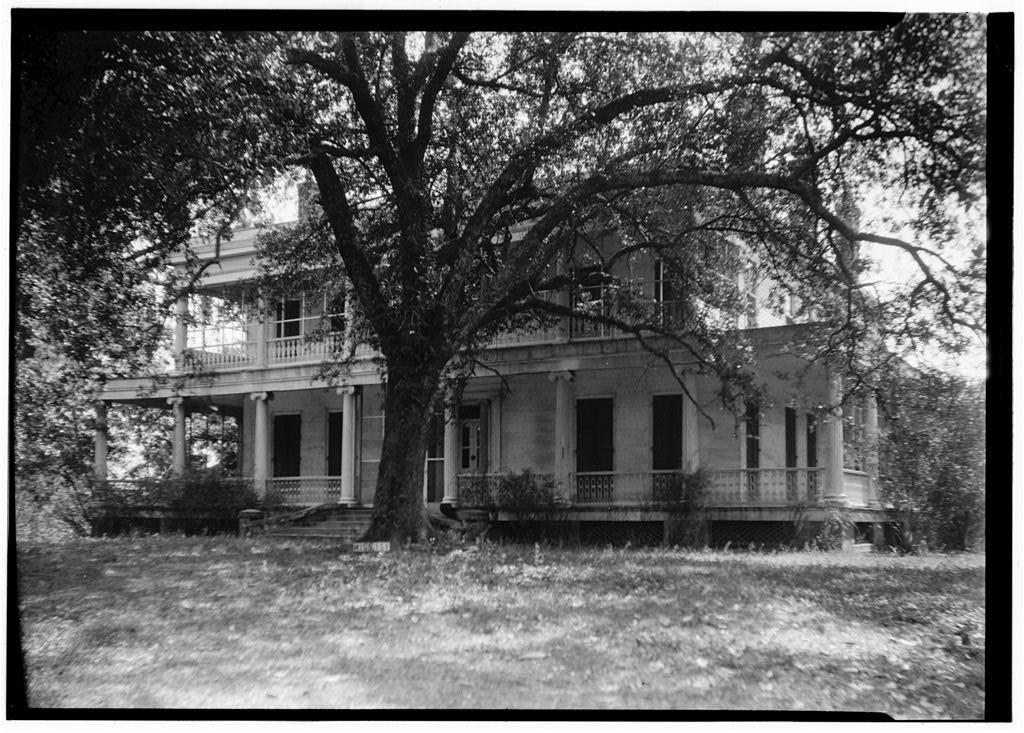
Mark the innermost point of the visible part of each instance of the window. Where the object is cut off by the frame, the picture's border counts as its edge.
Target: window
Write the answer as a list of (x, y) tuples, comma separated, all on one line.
[(812, 442), (589, 295), (334, 422), (435, 460), (469, 438), (589, 286), (753, 421), (594, 437), (794, 308), (287, 445), (667, 448), (288, 318), (790, 437), (663, 292), (751, 309), (853, 437), (334, 310), (750, 293)]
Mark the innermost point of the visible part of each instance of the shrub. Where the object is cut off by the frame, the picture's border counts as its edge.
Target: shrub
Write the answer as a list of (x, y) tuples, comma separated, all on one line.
[(835, 527), (534, 503), (685, 499)]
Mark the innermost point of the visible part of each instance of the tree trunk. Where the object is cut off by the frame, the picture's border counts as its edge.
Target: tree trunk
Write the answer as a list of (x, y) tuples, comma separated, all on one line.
[(398, 504)]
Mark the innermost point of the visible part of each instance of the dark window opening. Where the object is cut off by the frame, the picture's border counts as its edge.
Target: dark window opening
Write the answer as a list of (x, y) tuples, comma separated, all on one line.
[(288, 319), (435, 460), (790, 437), (334, 423), (753, 420), (594, 436), (287, 444), (812, 442), (668, 433)]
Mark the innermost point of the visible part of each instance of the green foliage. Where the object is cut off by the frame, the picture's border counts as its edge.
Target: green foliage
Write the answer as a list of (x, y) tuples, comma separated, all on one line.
[(685, 497)]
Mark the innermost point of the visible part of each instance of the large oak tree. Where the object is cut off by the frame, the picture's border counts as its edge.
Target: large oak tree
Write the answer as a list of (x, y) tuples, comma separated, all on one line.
[(455, 173)]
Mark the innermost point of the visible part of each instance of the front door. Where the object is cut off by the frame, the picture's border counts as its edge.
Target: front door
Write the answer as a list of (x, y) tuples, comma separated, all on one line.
[(469, 445)]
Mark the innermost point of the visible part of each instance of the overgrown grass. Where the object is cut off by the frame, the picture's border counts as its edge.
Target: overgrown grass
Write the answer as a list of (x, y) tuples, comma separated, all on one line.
[(224, 622)]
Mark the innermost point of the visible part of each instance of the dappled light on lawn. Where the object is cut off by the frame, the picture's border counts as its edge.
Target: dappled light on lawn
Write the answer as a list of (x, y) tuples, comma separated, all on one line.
[(197, 622)]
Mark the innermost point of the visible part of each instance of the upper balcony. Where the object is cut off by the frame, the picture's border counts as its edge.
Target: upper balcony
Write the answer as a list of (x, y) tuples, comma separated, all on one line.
[(301, 329)]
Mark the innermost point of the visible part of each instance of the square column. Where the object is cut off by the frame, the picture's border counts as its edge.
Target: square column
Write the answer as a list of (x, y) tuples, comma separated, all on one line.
[(691, 437), (563, 431), (261, 443), (178, 462), (871, 445), (494, 458), (451, 455), (180, 331), (100, 441), (348, 445), (261, 331), (833, 443), (484, 450)]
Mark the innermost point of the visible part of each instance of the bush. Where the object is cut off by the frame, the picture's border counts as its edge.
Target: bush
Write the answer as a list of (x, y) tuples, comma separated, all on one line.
[(685, 499), (833, 530), (199, 500), (532, 500)]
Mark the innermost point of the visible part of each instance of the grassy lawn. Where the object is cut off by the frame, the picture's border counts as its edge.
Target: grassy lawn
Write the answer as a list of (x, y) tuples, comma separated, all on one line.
[(176, 622)]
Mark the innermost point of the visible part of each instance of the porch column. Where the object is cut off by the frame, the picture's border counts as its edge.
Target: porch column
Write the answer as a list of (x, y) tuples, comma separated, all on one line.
[(833, 434), (261, 331), (451, 455), (871, 445), (494, 459), (261, 452), (100, 441), (484, 451), (180, 331), (691, 448), (563, 429), (348, 445), (178, 406)]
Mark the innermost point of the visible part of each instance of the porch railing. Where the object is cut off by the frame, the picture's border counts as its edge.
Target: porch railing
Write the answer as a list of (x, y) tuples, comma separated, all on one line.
[(221, 347), (766, 486), (741, 487), (305, 489), (305, 348), (857, 487)]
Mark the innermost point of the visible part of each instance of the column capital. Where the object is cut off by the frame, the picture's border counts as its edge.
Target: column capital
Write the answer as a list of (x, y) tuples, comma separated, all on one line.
[(261, 396), (565, 375), (346, 389), (177, 400)]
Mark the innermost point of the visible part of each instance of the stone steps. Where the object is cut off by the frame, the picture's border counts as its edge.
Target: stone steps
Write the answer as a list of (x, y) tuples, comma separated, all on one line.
[(342, 524)]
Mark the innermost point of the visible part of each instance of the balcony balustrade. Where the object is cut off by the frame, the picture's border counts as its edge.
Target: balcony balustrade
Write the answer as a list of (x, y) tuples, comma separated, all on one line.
[(237, 346)]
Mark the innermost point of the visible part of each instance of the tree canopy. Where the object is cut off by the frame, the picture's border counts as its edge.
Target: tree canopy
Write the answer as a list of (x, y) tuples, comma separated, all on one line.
[(455, 171)]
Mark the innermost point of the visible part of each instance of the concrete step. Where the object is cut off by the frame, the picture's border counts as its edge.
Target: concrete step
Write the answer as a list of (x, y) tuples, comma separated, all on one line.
[(341, 523), (314, 532)]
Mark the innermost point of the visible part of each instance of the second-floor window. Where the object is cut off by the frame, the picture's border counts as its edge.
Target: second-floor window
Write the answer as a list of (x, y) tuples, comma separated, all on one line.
[(663, 292), (288, 318)]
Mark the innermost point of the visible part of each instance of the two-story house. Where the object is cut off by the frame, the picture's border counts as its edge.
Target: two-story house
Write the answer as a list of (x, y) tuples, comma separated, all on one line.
[(582, 403)]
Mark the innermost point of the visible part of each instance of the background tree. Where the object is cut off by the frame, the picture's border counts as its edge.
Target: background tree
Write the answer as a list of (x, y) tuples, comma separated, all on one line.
[(457, 174), (933, 456)]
